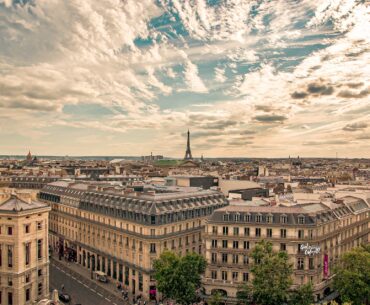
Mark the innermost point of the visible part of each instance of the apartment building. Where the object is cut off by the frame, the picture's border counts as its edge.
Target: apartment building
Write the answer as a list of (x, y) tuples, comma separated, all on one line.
[(122, 233), (24, 259), (313, 235)]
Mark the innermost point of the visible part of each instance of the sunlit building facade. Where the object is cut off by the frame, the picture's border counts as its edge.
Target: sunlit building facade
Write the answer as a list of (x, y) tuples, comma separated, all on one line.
[(24, 259), (313, 235), (121, 234)]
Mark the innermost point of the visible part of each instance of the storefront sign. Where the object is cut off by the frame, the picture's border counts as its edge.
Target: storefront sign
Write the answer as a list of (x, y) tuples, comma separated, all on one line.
[(310, 249)]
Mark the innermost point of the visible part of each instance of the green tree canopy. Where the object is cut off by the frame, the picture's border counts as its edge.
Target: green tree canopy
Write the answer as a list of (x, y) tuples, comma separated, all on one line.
[(302, 295), (178, 277), (272, 280), (352, 279)]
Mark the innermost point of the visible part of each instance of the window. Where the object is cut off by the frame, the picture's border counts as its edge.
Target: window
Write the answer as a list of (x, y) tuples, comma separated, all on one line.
[(10, 230), (300, 263), (224, 275), (10, 281), (214, 243), (152, 232), (269, 232), (10, 256), (39, 289), (39, 225), (301, 220), (245, 277), (282, 247), (300, 234), (245, 260), (246, 231), (27, 252), (39, 248), (27, 278), (258, 218), (214, 257), (283, 219), (225, 230), (10, 298), (283, 233), (235, 276), (226, 217), (214, 274), (236, 231), (214, 229), (258, 232), (247, 218), (26, 229), (224, 257), (224, 244), (235, 244), (152, 248), (1, 256), (27, 294), (299, 248), (269, 218), (246, 245), (311, 263), (235, 258)]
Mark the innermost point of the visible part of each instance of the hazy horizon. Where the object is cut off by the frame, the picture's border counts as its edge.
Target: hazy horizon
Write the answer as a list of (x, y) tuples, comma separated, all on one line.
[(248, 78)]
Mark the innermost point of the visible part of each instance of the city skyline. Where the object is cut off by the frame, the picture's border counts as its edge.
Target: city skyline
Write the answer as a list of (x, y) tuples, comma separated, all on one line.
[(266, 79)]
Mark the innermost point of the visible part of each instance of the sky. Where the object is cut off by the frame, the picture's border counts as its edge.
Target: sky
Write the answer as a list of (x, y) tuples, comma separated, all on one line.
[(127, 77)]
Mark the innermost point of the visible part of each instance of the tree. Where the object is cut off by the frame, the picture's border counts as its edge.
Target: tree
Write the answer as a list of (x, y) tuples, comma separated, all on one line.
[(301, 296), (352, 279), (272, 280), (216, 298), (244, 294), (271, 275), (178, 277)]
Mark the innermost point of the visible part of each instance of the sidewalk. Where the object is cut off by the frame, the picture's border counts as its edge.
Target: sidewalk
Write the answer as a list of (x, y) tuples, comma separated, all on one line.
[(84, 275)]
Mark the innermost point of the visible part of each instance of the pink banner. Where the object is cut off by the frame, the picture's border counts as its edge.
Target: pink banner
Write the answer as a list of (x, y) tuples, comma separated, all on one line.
[(326, 266)]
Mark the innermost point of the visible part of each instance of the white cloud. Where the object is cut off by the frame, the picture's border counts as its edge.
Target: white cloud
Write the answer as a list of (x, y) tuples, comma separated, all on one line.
[(192, 80), (220, 75)]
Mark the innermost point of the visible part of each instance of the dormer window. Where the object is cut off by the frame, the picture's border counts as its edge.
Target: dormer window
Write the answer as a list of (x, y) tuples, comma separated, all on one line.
[(300, 220), (269, 218), (283, 219), (247, 218), (258, 218)]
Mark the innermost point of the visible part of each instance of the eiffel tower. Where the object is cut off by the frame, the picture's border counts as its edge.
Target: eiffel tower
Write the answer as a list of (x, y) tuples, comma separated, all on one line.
[(188, 155)]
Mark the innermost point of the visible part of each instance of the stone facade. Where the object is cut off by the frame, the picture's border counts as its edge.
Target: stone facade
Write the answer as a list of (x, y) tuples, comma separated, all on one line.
[(122, 234), (325, 232), (24, 256)]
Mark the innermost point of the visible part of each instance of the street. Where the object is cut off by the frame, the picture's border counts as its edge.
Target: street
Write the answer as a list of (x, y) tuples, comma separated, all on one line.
[(80, 292)]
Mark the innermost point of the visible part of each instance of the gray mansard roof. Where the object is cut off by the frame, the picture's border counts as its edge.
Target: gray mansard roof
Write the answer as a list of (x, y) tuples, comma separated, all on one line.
[(310, 213), (153, 208)]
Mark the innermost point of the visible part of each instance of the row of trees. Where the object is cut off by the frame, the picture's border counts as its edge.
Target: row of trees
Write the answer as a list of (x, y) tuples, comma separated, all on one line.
[(179, 278)]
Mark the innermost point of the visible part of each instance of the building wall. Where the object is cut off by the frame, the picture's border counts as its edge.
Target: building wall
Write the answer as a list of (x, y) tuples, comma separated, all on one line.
[(105, 243), (20, 276), (333, 238)]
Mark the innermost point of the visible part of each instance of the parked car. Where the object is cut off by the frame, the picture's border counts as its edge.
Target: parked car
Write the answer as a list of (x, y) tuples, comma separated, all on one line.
[(101, 276), (64, 297)]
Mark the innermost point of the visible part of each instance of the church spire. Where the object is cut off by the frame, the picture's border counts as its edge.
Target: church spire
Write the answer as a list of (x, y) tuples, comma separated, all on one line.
[(188, 155)]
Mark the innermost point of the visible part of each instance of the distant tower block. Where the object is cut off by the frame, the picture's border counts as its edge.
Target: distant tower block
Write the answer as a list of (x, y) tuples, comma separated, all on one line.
[(188, 155)]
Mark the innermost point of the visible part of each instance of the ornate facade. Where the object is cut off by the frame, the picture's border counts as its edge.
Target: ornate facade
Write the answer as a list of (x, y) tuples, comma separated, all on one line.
[(121, 234), (24, 259), (313, 235)]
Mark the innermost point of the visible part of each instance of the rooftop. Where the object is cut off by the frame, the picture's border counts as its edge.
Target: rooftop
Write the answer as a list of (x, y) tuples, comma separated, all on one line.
[(15, 204)]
